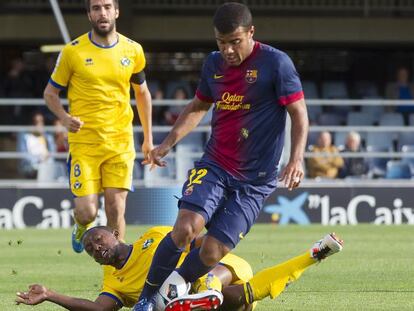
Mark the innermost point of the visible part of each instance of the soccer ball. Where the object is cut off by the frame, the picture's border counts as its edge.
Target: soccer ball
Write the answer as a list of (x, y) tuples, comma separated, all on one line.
[(173, 287)]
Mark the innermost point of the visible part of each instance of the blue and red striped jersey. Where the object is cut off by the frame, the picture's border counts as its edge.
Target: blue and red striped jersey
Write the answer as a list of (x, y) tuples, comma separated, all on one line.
[(249, 111)]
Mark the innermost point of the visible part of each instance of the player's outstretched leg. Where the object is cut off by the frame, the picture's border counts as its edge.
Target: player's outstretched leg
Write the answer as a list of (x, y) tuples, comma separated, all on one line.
[(272, 281)]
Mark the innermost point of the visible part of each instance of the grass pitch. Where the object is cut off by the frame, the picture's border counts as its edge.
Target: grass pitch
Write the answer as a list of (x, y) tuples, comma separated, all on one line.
[(375, 271)]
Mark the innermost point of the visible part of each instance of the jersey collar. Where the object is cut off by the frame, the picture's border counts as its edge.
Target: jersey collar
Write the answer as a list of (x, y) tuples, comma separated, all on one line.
[(127, 258), (100, 45)]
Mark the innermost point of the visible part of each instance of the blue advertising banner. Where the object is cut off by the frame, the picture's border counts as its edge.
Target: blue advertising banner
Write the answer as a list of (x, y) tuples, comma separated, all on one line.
[(52, 208)]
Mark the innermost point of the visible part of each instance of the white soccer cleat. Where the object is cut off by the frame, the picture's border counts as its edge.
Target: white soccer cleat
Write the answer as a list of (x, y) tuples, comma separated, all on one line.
[(328, 246), (206, 300)]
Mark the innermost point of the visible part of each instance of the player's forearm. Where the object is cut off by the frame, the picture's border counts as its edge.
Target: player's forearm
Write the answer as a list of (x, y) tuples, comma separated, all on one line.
[(54, 104), (189, 118), (144, 108), (72, 303), (299, 132)]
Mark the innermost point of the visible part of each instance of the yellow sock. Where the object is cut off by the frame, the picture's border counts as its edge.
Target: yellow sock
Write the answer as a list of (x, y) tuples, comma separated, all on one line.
[(272, 281), (81, 229), (206, 282)]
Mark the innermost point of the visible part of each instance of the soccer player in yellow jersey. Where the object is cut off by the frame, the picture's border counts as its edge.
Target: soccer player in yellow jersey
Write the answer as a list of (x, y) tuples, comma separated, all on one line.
[(125, 268), (98, 69)]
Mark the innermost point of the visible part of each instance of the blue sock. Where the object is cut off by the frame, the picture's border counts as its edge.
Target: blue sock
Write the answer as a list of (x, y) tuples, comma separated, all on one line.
[(192, 267), (164, 262)]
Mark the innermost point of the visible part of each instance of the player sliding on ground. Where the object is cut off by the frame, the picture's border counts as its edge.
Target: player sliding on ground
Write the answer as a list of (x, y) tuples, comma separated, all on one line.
[(230, 286)]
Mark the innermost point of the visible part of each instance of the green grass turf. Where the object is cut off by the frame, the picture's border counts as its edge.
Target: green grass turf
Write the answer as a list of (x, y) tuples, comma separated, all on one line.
[(374, 272)]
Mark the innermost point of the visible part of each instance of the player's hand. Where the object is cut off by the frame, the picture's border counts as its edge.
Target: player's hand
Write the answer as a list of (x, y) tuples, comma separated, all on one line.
[(292, 175), (36, 294), (146, 150), (156, 155), (73, 124)]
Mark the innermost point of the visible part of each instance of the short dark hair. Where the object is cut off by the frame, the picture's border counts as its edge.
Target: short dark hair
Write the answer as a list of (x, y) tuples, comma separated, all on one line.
[(231, 15), (87, 232), (88, 4)]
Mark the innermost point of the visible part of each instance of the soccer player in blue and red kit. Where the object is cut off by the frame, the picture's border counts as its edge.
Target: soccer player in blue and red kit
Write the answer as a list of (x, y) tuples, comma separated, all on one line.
[(252, 87)]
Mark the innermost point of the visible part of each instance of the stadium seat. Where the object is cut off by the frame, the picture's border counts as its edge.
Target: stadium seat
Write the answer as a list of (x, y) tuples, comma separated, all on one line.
[(360, 118), (310, 89), (380, 139), (391, 119), (330, 119), (411, 119), (377, 166), (339, 139), (334, 90), (398, 170), (314, 112), (366, 89), (405, 138), (408, 159), (375, 111)]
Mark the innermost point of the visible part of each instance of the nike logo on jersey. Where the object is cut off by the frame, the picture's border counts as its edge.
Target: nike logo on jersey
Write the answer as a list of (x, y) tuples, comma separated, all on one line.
[(218, 76)]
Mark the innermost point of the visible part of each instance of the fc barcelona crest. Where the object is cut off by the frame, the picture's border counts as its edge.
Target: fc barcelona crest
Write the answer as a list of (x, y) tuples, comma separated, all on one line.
[(189, 190), (251, 76)]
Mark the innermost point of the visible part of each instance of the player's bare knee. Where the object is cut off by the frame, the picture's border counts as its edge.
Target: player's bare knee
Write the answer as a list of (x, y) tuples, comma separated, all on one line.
[(85, 215), (183, 234)]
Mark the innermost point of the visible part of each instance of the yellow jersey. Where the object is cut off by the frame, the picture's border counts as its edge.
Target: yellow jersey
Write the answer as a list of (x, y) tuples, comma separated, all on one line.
[(125, 285), (97, 79)]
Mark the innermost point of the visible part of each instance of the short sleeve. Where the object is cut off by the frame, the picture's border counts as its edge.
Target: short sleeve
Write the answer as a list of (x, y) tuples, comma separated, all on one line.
[(139, 59), (287, 82), (107, 290), (63, 69), (203, 90)]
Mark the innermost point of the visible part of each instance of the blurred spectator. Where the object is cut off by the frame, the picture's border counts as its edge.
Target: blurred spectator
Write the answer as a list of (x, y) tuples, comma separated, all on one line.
[(37, 144), (41, 73), (17, 84), (402, 88), (353, 167), (325, 166), (61, 137), (158, 111), (172, 113)]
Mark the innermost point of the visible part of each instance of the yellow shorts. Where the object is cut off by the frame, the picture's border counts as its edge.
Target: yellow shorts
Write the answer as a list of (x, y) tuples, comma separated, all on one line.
[(93, 167), (240, 268)]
